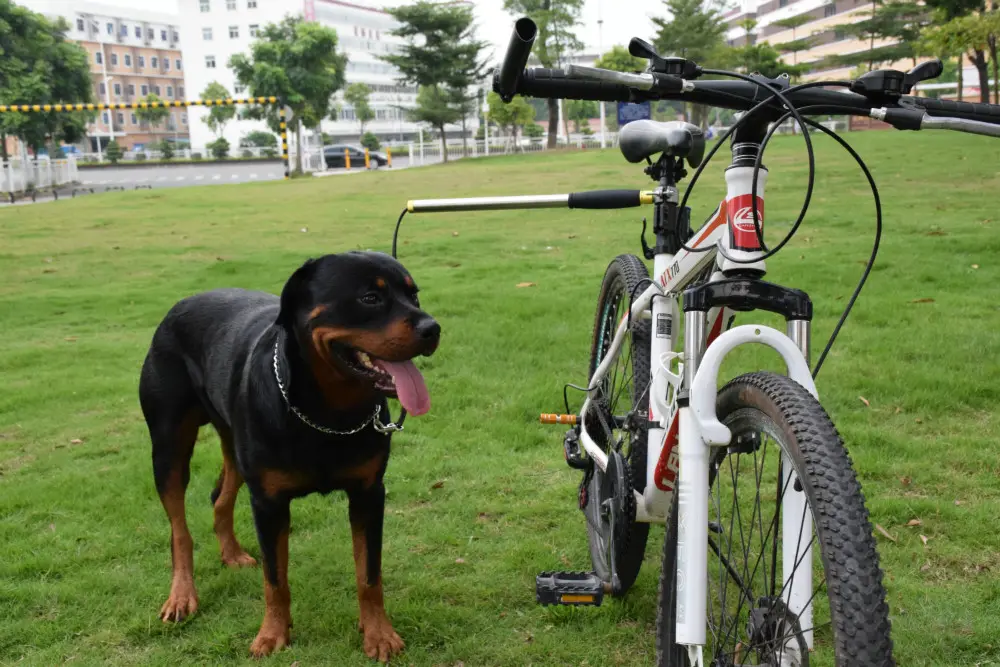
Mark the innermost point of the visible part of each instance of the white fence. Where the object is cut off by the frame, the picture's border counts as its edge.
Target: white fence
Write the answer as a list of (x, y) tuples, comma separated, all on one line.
[(19, 175), (184, 154)]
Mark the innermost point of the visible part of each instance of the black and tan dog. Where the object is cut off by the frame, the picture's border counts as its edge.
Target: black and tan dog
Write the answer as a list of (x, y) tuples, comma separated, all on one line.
[(296, 388)]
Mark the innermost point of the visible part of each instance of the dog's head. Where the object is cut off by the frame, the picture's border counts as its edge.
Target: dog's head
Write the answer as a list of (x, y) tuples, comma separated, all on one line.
[(360, 314)]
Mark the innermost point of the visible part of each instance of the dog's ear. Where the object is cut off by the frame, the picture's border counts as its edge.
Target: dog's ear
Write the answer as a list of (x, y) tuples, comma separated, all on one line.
[(295, 290)]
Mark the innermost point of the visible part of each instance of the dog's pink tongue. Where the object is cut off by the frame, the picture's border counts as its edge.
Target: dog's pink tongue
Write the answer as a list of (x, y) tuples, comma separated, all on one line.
[(410, 386)]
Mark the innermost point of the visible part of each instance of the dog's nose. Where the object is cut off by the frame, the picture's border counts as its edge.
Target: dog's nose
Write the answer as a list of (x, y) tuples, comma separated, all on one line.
[(428, 329)]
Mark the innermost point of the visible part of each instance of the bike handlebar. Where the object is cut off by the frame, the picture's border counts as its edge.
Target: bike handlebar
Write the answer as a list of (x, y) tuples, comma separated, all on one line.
[(512, 79)]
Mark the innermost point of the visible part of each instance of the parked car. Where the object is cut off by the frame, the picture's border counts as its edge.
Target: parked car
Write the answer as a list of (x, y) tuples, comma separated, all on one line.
[(334, 156)]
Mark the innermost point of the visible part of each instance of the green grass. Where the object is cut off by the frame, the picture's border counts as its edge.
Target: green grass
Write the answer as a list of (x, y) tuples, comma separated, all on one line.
[(84, 563)]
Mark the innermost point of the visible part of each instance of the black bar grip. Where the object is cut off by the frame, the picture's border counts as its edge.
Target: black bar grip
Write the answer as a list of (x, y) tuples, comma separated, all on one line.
[(986, 113), (609, 199), (516, 58), (554, 84)]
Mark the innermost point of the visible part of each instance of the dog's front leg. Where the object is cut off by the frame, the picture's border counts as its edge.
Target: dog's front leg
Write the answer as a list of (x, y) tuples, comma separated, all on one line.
[(367, 509), (272, 519)]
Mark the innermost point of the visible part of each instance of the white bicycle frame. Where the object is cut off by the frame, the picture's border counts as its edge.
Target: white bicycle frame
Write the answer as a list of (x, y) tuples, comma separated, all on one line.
[(697, 426)]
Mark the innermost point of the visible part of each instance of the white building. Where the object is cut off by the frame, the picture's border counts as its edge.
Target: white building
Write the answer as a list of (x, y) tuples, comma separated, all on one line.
[(215, 30)]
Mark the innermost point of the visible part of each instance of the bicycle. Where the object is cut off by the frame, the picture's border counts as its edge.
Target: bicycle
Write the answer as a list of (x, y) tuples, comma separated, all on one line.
[(657, 441)]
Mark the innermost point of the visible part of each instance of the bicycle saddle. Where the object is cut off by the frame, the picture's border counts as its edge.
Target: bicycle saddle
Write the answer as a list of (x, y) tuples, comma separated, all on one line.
[(641, 139)]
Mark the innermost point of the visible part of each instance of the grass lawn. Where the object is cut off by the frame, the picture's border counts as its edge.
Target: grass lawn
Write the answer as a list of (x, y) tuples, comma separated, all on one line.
[(479, 497)]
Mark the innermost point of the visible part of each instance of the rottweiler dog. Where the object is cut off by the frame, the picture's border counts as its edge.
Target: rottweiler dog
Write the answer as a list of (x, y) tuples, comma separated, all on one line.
[(296, 388)]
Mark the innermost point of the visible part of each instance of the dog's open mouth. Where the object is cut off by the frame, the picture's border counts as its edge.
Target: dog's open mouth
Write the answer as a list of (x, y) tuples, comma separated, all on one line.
[(398, 379)]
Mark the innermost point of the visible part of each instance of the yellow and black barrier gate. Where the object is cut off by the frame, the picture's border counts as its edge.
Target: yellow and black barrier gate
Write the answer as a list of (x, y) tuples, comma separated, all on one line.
[(283, 114)]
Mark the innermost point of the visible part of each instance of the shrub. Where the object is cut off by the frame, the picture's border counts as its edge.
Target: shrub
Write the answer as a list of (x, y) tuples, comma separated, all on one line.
[(140, 157), (533, 130), (219, 148), (195, 156), (270, 152), (259, 138), (370, 141), (247, 152), (113, 152), (167, 150)]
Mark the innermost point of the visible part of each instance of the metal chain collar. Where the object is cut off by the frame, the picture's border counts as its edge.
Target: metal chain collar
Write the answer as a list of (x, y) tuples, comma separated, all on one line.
[(373, 419)]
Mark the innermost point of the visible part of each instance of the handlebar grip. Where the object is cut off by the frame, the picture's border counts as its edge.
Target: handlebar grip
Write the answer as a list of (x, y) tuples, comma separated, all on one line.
[(602, 199), (986, 113), (555, 84), (516, 58)]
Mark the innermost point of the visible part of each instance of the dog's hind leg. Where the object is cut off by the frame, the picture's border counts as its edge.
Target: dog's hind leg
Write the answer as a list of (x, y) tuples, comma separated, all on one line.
[(173, 415), (223, 501)]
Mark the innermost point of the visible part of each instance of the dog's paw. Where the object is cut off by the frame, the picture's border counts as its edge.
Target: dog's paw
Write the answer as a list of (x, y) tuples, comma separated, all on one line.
[(183, 602), (239, 559), (268, 641), (381, 641)]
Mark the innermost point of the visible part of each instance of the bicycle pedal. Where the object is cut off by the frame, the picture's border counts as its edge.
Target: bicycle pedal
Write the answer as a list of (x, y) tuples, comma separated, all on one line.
[(576, 589)]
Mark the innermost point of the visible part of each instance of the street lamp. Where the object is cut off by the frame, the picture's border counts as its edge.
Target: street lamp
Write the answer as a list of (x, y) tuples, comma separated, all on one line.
[(107, 100)]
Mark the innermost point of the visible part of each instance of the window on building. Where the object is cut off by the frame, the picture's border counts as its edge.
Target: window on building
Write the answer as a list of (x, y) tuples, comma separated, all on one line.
[(163, 35), (118, 90), (238, 88), (830, 10), (251, 4), (134, 119), (782, 3), (98, 57), (178, 64), (234, 32), (128, 60), (144, 89), (210, 62), (102, 89), (839, 35), (150, 34), (206, 34), (79, 25), (170, 92), (180, 92), (171, 122), (184, 118), (166, 64), (154, 61), (206, 6), (114, 59), (231, 5), (156, 90), (254, 29), (130, 88), (138, 32), (111, 28), (142, 61), (124, 31), (120, 119), (177, 36), (104, 117)]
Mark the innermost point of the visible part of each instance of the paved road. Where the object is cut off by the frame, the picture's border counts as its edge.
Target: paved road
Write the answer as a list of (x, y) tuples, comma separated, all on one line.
[(180, 176), (129, 178)]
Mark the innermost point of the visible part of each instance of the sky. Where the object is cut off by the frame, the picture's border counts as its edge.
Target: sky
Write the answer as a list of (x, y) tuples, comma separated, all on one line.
[(623, 19)]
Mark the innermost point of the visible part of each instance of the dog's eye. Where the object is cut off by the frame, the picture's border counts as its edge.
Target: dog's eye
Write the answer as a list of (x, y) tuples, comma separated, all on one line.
[(371, 299)]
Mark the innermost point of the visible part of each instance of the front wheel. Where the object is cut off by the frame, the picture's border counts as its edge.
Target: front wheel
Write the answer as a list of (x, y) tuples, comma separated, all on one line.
[(775, 424)]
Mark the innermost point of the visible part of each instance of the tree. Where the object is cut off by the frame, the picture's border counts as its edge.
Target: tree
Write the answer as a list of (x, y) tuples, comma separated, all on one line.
[(218, 116), (796, 44), (39, 66), (971, 36), (693, 31), (556, 20), (166, 150), (441, 52), (434, 107), (578, 111), (370, 141), (260, 139), (149, 114), (619, 59), (357, 95), (297, 62), (899, 22), (512, 116), (114, 152), (963, 36), (219, 148)]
